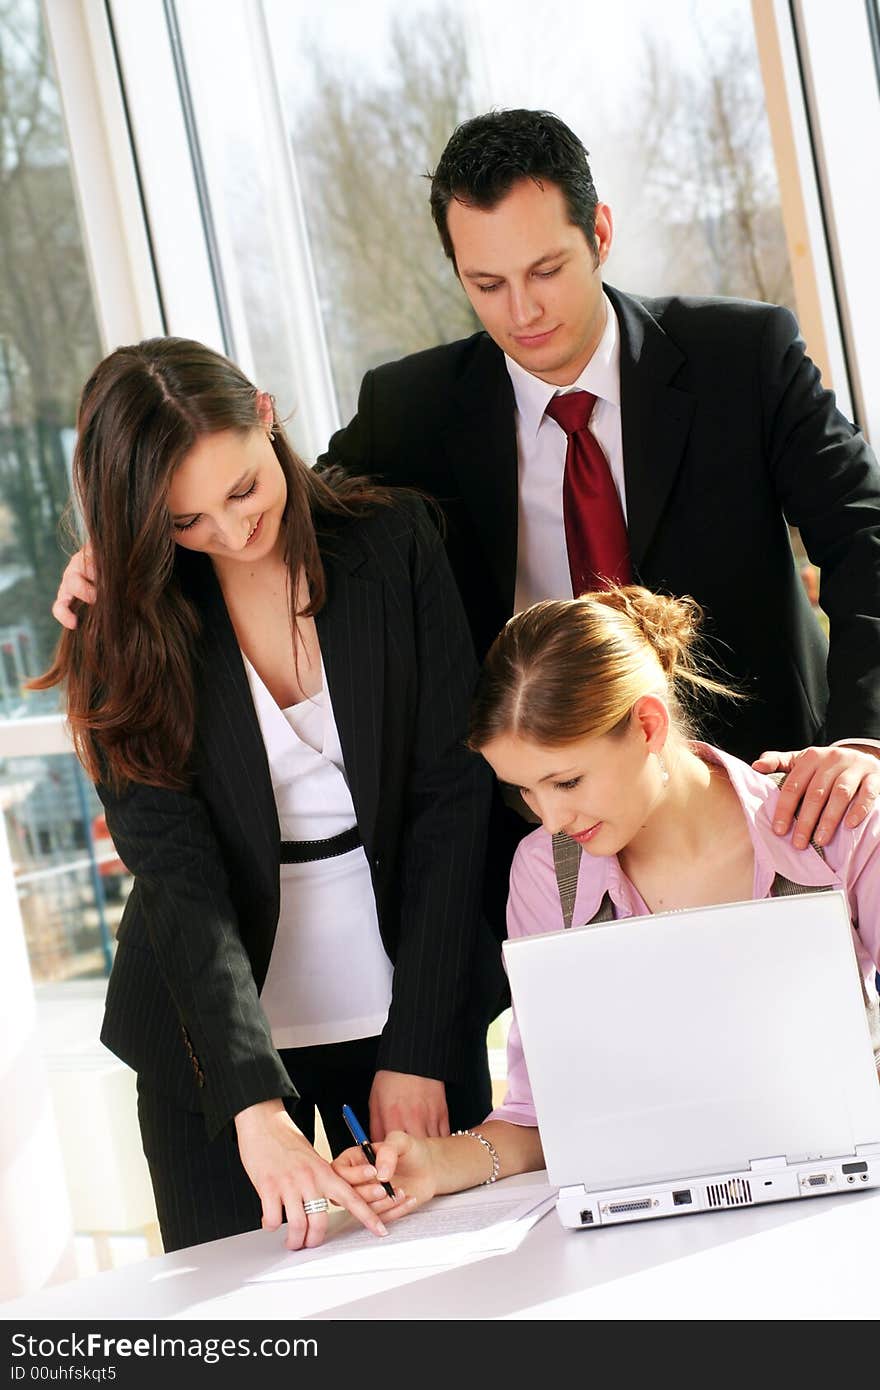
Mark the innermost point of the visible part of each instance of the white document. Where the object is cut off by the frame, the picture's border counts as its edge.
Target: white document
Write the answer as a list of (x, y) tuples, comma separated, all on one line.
[(447, 1231)]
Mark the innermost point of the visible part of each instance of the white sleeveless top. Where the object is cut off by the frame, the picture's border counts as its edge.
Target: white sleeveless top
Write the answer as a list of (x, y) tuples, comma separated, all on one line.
[(329, 978)]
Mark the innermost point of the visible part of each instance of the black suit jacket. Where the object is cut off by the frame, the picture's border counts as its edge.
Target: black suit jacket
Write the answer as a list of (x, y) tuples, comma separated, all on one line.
[(727, 433), (196, 937)]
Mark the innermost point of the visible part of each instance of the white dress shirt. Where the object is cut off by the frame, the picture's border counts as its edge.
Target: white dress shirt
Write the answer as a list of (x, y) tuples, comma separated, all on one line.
[(542, 556)]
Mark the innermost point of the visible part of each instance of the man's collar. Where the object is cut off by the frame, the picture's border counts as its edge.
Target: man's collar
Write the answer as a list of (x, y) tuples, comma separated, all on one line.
[(601, 376)]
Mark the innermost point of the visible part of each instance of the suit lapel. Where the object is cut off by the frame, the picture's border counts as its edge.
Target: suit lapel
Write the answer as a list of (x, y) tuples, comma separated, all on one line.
[(232, 762), (479, 440), (655, 418), (231, 756), (351, 631)]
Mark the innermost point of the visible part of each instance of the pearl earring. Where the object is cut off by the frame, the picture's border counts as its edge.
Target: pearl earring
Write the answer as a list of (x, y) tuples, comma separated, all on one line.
[(664, 771), (271, 436)]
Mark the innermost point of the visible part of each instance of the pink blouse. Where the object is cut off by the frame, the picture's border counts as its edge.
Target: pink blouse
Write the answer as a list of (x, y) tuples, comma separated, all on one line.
[(852, 862)]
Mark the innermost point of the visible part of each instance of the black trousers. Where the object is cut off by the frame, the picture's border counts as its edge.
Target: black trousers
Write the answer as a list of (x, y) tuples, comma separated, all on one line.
[(201, 1189)]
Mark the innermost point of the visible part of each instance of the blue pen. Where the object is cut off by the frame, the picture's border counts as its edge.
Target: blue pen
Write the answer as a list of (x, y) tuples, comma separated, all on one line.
[(357, 1133)]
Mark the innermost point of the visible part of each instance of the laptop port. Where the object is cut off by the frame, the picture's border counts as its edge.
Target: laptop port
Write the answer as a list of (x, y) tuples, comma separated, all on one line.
[(586, 1218), (817, 1180), (860, 1167), (683, 1198), (637, 1204)]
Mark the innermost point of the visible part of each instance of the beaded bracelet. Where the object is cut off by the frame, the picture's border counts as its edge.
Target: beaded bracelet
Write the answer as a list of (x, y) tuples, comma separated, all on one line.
[(490, 1149)]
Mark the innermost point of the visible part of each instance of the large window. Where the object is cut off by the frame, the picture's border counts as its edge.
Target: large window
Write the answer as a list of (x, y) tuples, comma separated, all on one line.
[(668, 99), (48, 345), (371, 96), (71, 883)]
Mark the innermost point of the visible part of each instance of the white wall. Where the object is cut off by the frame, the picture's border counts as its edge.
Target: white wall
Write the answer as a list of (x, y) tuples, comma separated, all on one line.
[(36, 1232)]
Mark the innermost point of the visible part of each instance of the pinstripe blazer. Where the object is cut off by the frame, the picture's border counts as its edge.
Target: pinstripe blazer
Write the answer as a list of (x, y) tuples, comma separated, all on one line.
[(197, 933)]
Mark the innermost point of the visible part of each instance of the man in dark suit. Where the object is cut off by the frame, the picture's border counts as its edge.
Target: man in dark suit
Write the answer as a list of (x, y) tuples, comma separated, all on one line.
[(715, 431)]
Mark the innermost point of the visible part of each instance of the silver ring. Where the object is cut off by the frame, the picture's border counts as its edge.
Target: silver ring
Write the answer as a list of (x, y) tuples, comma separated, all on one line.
[(316, 1205)]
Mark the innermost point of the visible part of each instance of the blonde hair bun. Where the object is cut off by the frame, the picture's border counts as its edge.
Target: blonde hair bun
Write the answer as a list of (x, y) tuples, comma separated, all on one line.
[(567, 669), (670, 626)]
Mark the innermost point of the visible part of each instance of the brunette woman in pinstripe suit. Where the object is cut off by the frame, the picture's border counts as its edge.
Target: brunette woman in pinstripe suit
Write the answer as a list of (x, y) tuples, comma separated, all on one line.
[(270, 691)]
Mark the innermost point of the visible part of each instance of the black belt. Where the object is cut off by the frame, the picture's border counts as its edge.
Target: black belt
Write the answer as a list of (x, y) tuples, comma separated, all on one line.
[(307, 851)]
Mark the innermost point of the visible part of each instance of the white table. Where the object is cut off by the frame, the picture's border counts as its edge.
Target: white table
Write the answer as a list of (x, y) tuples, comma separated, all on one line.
[(806, 1259)]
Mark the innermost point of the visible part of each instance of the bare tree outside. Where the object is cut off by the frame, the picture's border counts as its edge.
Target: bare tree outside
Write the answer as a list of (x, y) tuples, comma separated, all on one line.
[(697, 195), (48, 345), (48, 336), (702, 167), (702, 172), (362, 147)]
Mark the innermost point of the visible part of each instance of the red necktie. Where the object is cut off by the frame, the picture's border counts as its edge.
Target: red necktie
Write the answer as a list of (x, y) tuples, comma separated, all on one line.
[(595, 532)]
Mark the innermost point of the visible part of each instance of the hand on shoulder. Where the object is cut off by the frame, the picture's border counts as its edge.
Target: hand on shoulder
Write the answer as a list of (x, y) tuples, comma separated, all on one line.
[(823, 785), (78, 583)]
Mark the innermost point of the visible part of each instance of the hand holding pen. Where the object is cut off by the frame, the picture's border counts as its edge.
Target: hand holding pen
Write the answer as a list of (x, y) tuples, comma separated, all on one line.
[(409, 1160), (359, 1136)]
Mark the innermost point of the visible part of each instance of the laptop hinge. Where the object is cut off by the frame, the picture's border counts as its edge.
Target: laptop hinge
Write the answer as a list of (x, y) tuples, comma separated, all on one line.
[(764, 1165), (577, 1191)]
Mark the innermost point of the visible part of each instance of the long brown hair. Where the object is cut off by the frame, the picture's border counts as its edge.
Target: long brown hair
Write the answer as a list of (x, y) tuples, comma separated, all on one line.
[(564, 670), (127, 666)]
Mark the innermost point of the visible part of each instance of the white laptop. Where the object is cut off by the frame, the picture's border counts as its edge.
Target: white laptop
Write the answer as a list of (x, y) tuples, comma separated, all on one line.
[(708, 1058)]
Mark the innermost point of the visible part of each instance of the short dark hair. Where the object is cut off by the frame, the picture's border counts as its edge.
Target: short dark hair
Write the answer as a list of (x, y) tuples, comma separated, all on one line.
[(485, 156)]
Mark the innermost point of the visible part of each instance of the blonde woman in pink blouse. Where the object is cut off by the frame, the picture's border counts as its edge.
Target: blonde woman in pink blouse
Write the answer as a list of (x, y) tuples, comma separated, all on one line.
[(581, 707)]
